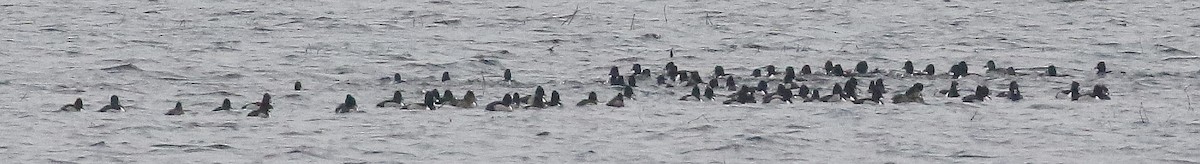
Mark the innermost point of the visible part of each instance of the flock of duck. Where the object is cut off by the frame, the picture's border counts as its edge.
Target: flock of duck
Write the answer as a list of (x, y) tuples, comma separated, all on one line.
[(787, 90)]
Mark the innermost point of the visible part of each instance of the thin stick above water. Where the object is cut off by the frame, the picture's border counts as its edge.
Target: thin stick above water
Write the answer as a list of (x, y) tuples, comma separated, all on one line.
[(631, 20)]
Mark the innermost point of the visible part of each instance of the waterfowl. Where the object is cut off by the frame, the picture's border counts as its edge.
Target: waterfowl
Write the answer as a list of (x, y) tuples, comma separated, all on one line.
[(1102, 70), (1011, 71), (1073, 92), (448, 99), (952, 92), (73, 107), (908, 68), (718, 71), (517, 100), (838, 94), (789, 74), (781, 93), (770, 70), (178, 110), (990, 67), (616, 80), (803, 92), (928, 70), (502, 105), (554, 99), (838, 70), (538, 99), (225, 106), (397, 101), (1099, 91), (672, 71), (730, 83), (959, 70), (981, 93), (694, 78), (761, 87), (430, 100), (508, 75), (617, 101), (713, 83), (614, 71), (114, 105), (912, 95), (1013, 93), (815, 96), (590, 100), (468, 100), (829, 67), (348, 106), (1052, 71), (631, 81), (263, 108), (708, 94), (742, 96), (850, 90), (876, 90), (437, 98), (637, 69), (861, 68), (695, 93)]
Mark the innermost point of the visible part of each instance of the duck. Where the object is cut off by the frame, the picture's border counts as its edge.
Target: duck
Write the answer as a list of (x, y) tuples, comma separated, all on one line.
[(981, 93), (708, 94), (695, 93), (719, 71), (538, 99), (850, 90), (1100, 91), (262, 108), (952, 92), (348, 106), (468, 101), (789, 74), (554, 99), (742, 96), (876, 90), (504, 104), (836, 96), (178, 110), (908, 68), (1052, 71), (1013, 93), (617, 101), (225, 106), (1102, 70), (912, 95), (397, 101), (114, 105), (447, 99), (1072, 93), (590, 100), (782, 93), (73, 107)]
